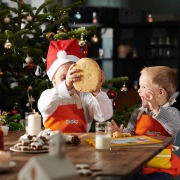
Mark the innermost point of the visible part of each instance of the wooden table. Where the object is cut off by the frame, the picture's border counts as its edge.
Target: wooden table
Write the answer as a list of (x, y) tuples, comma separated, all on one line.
[(117, 163)]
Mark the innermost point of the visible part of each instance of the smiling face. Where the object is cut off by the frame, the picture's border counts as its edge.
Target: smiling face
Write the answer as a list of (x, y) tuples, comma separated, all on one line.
[(146, 86)]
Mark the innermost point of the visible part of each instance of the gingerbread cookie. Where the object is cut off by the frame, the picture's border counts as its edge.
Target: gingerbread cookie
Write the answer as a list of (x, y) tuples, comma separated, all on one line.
[(84, 172), (90, 75), (82, 166), (36, 146)]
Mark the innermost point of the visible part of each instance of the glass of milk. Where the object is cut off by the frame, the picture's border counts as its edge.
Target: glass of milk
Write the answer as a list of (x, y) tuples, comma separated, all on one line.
[(103, 135)]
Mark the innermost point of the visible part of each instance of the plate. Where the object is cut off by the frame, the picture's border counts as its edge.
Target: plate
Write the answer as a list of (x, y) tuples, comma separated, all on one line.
[(7, 167), (29, 151)]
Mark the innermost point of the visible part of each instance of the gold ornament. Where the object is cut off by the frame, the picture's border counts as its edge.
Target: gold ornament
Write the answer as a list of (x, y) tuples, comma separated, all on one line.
[(94, 39), (7, 20), (124, 88), (7, 44), (50, 35), (61, 28), (28, 59), (29, 18), (82, 42)]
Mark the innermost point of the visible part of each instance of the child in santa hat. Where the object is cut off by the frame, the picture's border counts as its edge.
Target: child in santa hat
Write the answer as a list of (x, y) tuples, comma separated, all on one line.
[(62, 107)]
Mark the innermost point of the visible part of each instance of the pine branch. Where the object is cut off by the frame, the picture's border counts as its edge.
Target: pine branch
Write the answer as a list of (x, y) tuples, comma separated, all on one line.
[(4, 12), (111, 83), (43, 6), (8, 34), (29, 9), (42, 17), (20, 33), (15, 1), (14, 10)]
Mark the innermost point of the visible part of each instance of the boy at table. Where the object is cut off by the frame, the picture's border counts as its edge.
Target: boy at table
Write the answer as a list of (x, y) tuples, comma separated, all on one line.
[(62, 107), (156, 116)]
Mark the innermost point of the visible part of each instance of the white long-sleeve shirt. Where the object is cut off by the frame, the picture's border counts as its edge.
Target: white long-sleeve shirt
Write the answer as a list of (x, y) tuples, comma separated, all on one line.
[(95, 107)]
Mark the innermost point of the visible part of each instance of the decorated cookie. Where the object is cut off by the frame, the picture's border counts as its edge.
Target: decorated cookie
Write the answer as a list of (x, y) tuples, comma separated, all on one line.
[(36, 146), (23, 148), (24, 142), (82, 166), (84, 172)]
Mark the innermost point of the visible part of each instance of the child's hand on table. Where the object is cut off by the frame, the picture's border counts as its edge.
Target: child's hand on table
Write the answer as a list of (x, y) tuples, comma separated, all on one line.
[(116, 128)]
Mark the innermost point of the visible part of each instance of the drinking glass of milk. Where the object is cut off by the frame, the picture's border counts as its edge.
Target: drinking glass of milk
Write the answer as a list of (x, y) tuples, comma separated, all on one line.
[(103, 135)]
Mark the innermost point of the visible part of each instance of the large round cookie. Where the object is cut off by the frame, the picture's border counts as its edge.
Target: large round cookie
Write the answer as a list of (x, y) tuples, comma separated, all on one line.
[(90, 75)]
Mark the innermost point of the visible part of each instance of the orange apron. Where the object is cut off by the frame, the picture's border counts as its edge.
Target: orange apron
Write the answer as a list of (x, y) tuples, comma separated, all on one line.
[(146, 125), (67, 119)]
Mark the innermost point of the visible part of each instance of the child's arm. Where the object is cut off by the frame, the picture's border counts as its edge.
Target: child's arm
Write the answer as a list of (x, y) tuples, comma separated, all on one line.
[(116, 128), (131, 124), (98, 107), (169, 118), (50, 99)]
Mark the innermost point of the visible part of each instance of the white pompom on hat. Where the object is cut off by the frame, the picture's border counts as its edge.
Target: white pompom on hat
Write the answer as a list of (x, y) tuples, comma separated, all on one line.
[(61, 52)]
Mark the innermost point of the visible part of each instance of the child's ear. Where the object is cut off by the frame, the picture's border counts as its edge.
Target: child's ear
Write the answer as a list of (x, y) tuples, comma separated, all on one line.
[(161, 92), (53, 82)]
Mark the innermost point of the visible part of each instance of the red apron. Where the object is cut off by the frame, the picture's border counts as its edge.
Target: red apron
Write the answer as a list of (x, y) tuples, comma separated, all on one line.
[(146, 125), (67, 119)]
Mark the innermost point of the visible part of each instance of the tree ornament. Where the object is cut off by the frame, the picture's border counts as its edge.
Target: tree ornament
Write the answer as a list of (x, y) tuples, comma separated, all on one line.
[(28, 59), (50, 35), (64, 15), (82, 42), (38, 70), (14, 111), (31, 66), (77, 16), (111, 94), (85, 51), (8, 44), (49, 18), (44, 60), (30, 88), (61, 28), (114, 104), (7, 20), (13, 84), (29, 18), (124, 88), (31, 100), (94, 39)]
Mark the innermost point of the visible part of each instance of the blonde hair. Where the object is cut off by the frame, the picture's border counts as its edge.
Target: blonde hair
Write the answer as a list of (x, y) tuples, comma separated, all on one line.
[(162, 76)]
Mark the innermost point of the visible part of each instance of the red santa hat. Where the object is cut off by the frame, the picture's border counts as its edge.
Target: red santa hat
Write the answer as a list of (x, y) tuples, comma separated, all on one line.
[(61, 52)]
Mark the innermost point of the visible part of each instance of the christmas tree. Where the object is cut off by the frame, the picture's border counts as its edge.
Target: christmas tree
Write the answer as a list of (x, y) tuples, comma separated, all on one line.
[(25, 34)]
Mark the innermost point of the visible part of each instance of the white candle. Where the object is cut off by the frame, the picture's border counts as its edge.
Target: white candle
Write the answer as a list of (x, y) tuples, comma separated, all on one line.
[(34, 124), (103, 142)]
